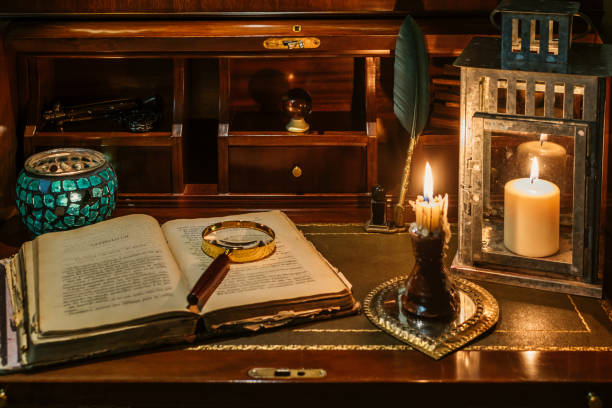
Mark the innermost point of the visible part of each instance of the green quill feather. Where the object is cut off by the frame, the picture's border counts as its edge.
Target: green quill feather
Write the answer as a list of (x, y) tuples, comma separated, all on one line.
[(410, 96), (411, 78)]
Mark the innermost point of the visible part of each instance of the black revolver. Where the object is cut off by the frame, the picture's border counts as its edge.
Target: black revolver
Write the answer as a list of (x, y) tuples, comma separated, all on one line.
[(138, 115)]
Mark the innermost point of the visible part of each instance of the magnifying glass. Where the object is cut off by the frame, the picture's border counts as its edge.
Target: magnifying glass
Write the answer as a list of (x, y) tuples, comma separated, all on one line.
[(230, 241)]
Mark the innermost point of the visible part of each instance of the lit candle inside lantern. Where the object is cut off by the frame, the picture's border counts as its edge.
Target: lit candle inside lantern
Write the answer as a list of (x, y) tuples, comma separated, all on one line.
[(531, 215), (551, 158), (430, 211)]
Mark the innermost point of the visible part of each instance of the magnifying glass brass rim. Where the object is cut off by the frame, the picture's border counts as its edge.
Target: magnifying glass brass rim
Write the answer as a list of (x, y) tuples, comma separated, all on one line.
[(236, 253)]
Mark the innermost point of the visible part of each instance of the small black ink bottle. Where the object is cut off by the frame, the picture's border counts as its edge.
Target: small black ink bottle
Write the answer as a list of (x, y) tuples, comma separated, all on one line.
[(379, 206)]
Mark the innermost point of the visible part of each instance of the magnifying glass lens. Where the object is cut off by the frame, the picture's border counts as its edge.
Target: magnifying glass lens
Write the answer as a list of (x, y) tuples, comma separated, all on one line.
[(238, 238)]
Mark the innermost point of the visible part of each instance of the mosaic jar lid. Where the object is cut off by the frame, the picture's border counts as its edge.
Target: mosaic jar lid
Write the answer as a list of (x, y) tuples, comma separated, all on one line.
[(64, 162), (65, 188)]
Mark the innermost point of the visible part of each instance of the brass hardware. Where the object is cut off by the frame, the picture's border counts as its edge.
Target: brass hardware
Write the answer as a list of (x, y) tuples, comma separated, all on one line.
[(286, 373), (3, 398), (594, 400), (290, 43), (296, 171), (297, 28)]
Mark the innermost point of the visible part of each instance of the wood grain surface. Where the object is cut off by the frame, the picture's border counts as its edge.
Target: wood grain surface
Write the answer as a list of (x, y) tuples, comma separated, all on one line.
[(8, 139), (244, 6)]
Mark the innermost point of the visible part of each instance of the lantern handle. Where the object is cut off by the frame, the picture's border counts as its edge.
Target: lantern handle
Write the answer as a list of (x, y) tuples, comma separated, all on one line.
[(492, 19), (588, 22)]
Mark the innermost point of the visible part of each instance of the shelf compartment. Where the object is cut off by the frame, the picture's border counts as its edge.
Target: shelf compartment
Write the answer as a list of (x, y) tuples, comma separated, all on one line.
[(130, 163), (320, 122), (144, 162), (78, 81), (149, 162), (257, 87), (257, 155)]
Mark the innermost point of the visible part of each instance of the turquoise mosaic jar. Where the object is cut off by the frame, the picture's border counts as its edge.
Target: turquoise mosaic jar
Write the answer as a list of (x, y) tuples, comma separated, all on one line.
[(65, 188)]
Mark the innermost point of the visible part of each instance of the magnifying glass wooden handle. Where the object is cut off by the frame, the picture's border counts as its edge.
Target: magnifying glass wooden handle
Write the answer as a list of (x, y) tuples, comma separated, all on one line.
[(208, 282)]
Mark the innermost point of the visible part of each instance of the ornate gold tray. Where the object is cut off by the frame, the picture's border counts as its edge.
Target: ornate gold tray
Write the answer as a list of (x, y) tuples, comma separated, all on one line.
[(478, 312)]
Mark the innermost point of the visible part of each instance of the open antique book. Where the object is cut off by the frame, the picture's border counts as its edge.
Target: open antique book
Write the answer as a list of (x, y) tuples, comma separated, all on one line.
[(121, 285)]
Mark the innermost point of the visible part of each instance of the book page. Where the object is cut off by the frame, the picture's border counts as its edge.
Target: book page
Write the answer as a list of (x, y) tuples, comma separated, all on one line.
[(9, 337), (107, 273), (295, 269)]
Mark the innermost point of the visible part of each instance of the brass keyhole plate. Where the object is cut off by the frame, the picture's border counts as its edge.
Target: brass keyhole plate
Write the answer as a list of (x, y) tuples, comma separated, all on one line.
[(268, 373), (291, 43)]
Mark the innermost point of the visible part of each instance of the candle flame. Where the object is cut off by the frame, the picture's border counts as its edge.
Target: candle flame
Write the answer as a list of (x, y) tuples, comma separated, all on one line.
[(535, 170), (428, 184), (543, 138)]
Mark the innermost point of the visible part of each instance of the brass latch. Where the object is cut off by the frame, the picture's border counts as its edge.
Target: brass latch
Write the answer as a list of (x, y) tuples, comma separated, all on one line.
[(290, 43), (286, 373)]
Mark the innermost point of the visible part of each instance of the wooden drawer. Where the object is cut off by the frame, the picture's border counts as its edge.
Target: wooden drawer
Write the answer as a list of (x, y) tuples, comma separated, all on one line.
[(140, 169), (270, 169)]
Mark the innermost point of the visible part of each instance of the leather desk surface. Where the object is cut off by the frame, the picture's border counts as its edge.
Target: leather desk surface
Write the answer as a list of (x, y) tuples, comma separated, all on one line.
[(547, 348)]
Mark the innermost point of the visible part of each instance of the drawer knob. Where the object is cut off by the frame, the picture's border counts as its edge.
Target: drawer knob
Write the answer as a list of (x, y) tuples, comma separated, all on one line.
[(3, 398), (296, 171)]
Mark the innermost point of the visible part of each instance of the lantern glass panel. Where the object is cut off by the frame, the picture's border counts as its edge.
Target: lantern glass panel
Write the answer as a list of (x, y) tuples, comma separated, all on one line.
[(511, 157), (509, 145)]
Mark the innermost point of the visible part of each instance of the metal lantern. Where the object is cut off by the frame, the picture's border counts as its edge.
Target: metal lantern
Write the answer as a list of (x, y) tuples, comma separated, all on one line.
[(520, 112)]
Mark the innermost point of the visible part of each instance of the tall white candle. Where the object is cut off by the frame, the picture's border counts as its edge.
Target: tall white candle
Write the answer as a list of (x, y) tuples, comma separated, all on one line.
[(531, 215)]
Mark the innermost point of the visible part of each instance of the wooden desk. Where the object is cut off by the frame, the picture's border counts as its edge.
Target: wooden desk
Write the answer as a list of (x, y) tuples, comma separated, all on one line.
[(547, 350), (366, 368)]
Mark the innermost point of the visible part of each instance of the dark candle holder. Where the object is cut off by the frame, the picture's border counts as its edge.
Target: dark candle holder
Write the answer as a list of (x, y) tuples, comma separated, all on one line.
[(429, 289), (429, 310)]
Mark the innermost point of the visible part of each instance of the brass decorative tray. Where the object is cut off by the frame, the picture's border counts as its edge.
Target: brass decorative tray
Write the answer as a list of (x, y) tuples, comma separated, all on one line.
[(478, 312)]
